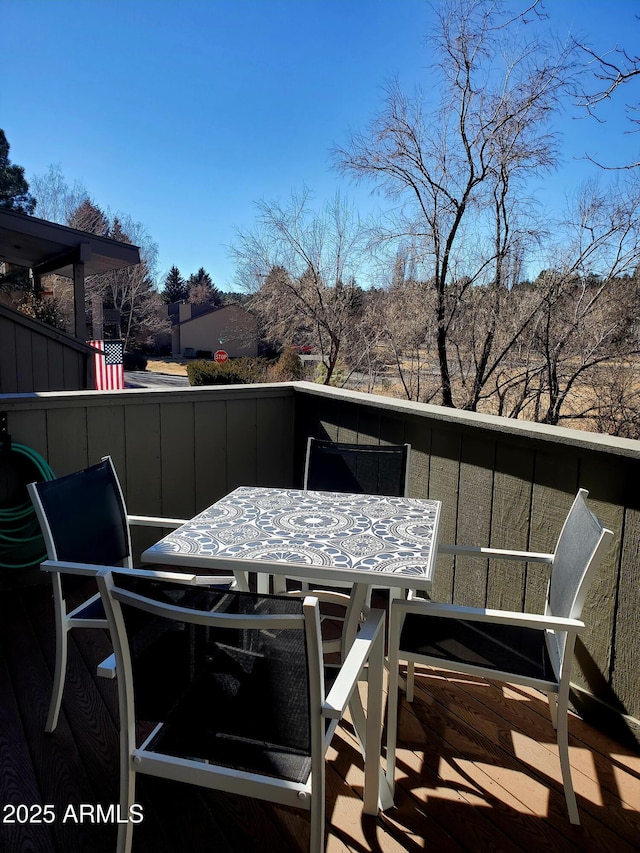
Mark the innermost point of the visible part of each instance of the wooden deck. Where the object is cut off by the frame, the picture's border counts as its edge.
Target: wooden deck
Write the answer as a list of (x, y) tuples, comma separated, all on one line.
[(477, 769)]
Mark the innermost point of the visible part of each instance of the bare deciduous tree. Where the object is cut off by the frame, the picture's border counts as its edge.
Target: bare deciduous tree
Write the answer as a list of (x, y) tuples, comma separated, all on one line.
[(131, 290), (56, 201), (406, 316), (609, 72), (457, 169), (302, 268), (588, 313)]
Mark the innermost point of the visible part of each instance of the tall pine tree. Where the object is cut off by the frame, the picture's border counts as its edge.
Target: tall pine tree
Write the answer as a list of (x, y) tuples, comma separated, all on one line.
[(175, 287), (202, 290), (14, 189)]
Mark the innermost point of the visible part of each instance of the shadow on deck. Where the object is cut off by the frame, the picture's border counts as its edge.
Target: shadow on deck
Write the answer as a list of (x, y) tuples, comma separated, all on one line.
[(477, 769)]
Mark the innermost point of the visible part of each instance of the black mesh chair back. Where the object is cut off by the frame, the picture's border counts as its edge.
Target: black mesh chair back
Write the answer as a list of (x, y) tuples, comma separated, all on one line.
[(573, 564), (236, 697), (229, 689), (83, 520), (356, 468), (83, 517), (578, 539)]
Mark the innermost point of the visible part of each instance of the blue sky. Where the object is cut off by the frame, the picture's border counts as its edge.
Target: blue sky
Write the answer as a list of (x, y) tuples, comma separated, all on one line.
[(183, 113)]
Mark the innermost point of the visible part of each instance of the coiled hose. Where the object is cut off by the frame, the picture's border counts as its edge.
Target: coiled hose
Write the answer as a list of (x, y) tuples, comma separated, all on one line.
[(21, 543)]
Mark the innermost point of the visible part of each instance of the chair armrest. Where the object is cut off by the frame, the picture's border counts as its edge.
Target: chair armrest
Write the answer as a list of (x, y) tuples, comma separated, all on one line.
[(481, 614), (215, 580), (372, 630), (497, 553), (91, 570), (155, 521)]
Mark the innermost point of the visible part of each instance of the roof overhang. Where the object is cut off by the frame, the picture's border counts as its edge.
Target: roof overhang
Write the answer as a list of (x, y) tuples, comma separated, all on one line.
[(46, 247)]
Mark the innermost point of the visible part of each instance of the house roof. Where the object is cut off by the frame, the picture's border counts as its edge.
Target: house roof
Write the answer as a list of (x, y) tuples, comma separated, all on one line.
[(48, 247)]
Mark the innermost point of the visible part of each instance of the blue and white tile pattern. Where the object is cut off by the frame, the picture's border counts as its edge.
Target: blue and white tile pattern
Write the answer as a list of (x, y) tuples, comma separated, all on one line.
[(356, 533)]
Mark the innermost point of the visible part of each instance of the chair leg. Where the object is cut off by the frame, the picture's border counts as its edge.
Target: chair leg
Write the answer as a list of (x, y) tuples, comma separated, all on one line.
[(374, 780), (392, 725), (565, 766), (407, 684), (127, 798), (553, 708), (392, 698), (410, 680), (62, 631), (317, 813)]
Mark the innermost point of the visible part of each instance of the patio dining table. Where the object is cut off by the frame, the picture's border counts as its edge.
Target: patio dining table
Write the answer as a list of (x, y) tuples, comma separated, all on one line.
[(358, 539)]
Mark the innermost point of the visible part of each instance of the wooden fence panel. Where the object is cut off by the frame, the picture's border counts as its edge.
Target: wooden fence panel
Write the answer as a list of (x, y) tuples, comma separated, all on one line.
[(8, 363), (475, 491), (210, 436), (444, 475), (177, 446), (274, 443), (510, 517), (242, 455)]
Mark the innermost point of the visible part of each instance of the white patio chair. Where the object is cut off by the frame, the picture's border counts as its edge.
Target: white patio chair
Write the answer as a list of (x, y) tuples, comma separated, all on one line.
[(520, 648), (84, 520), (233, 685)]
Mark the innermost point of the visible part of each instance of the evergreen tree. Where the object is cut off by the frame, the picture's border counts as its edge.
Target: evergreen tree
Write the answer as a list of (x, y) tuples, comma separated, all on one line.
[(89, 217), (202, 290), (14, 189), (175, 287)]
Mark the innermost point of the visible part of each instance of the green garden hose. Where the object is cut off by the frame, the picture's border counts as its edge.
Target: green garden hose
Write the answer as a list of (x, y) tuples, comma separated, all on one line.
[(21, 543)]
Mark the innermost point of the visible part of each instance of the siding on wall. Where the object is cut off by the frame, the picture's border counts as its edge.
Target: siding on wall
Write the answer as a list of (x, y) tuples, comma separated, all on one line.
[(36, 357)]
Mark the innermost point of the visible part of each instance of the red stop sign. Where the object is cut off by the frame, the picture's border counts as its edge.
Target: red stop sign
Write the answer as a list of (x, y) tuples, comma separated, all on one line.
[(220, 356)]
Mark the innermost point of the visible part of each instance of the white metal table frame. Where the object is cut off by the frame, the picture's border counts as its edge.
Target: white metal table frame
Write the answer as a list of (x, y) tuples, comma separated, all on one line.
[(364, 540)]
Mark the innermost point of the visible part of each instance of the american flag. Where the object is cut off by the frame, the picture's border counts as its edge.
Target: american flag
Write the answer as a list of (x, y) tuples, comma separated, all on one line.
[(108, 365)]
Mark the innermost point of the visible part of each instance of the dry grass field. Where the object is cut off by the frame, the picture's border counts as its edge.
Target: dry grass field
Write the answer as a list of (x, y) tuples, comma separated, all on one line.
[(580, 398), (172, 365)]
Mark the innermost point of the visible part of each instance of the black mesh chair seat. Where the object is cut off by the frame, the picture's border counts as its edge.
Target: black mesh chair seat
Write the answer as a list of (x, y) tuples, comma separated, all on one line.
[(225, 726), (92, 609), (225, 734), (504, 648)]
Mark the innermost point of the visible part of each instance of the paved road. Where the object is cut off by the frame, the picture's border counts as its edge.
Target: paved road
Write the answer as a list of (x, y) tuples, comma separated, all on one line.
[(148, 379)]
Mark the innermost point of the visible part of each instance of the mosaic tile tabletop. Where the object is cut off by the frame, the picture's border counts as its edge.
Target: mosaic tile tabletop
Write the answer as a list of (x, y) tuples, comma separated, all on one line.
[(312, 532)]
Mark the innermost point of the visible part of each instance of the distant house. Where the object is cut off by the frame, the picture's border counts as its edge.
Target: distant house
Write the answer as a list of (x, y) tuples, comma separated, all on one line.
[(205, 329)]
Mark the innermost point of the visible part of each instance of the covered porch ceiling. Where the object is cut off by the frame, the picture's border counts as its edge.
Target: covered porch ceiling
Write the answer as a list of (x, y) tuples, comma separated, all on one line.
[(46, 247)]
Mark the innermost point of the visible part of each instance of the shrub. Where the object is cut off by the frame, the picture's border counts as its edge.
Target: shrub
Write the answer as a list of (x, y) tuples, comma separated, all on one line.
[(134, 361), (288, 368), (238, 371), (338, 377)]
